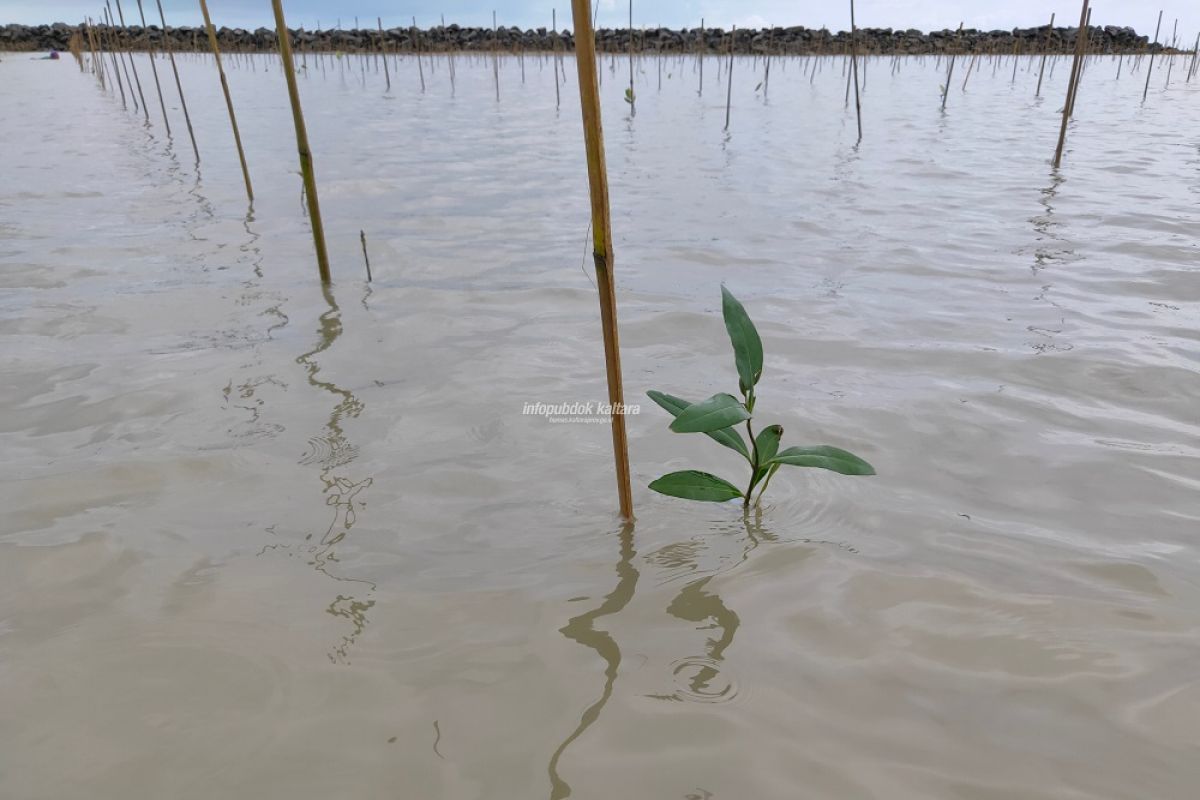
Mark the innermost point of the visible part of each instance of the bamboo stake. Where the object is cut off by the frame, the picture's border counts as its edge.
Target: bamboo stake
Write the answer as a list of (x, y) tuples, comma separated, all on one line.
[(701, 47), (1171, 60), (593, 134), (178, 86), (1046, 48), (306, 161), (153, 67), (495, 56), (363, 236), (119, 51), (554, 50), (237, 137), (1066, 115), (113, 57), (632, 99), (949, 74), (417, 49), (729, 76), (387, 76), (137, 80), (1151, 66), (854, 65), (1082, 63)]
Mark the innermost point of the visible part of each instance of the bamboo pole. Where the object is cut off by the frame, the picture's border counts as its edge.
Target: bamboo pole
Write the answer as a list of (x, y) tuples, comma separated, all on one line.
[(1066, 115), (118, 50), (729, 76), (950, 73), (854, 68), (1046, 48), (417, 50), (306, 161), (701, 45), (593, 134), (112, 54), (554, 62), (1083, 63), (136, 79), (387, 76), (1150, 68), (496, 56), (1171, 58), (153, 67), (362, 235), (178, 86), (237, 137), (632, 98)]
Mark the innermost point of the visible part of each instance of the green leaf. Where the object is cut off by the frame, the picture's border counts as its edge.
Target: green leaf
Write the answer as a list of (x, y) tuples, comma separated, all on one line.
[(726, 436), (717, 412), (747, 346), (767, 442), (694, 485), (824, 457)]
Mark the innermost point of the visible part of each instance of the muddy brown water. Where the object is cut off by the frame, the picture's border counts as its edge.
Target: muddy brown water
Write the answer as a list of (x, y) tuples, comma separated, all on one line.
[(258, 540)]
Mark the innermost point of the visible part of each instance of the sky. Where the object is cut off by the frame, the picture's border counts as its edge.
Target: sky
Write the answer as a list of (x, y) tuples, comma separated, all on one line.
[(922, 14)]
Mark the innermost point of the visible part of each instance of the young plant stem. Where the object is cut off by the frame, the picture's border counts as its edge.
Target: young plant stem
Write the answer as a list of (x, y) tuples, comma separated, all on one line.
[(593, 134), (237, 137), (753, 461), (306, 161)]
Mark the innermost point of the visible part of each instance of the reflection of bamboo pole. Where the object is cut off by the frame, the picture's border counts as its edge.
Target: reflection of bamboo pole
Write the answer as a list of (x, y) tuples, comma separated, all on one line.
[(306, 162), (153, 67), (178, 86), (593, 134), (1042, 68), (1150, 68), (237, 137), (1066, 115)]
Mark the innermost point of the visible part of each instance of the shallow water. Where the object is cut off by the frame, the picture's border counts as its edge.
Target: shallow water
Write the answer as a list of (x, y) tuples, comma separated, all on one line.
[(261, 540)]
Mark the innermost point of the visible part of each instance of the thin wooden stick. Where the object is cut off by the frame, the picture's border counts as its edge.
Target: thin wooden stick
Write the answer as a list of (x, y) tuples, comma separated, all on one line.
[(632, 99), (496, 56), (1066, 115), (1045, 49), (729, 76), (237, 137), (1150, 68), (112, 54), (593, 134), (699, 47), (387, 76), (554, 50), (854, 70), (950, 72), (1082, 64), (363, 236), (153, 67), (178, 86), (417, 50), (306, 160), (137, 80)]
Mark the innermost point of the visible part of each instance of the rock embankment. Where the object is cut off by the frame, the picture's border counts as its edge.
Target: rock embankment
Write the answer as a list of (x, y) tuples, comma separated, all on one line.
[(794, 41)]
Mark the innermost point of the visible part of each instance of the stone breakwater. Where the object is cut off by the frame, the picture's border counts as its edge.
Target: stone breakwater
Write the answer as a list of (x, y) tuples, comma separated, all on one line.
[(793, 41)]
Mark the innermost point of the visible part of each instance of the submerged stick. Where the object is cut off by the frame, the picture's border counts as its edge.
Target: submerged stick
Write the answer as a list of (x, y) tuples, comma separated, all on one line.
[(593, 135), (237, 137), (306, 161), (1150, 68), (178, 86), (1066, 115)]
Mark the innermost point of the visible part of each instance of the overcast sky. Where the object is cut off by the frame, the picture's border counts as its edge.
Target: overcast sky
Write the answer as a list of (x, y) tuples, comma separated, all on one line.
[(922, 14)]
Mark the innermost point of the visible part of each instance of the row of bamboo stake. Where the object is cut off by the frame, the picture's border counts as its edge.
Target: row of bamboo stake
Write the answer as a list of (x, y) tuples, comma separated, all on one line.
[(98, 39)]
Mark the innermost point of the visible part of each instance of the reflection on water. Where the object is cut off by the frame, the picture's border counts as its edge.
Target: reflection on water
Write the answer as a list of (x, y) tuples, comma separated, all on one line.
[(581, 629)]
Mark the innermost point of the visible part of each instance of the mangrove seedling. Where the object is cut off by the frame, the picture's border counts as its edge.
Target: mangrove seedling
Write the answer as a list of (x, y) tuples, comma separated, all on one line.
[(718, 418)]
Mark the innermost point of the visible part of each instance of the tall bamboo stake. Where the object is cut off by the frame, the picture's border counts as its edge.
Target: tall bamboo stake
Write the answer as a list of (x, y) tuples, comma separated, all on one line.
[(1171, 59), (112, 54), (1150, 68), (137, 80), (417, 50), (700, 47), (178, 86), (632, 99), (237, 137), (554, 50), (1066, 115), (153, 67), (729, 82), (119, 51), (593, 135), (306, 160), (854, 65), (496, 56), (949, 73), (1082, 64), (1046, 48), (387, 76)]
